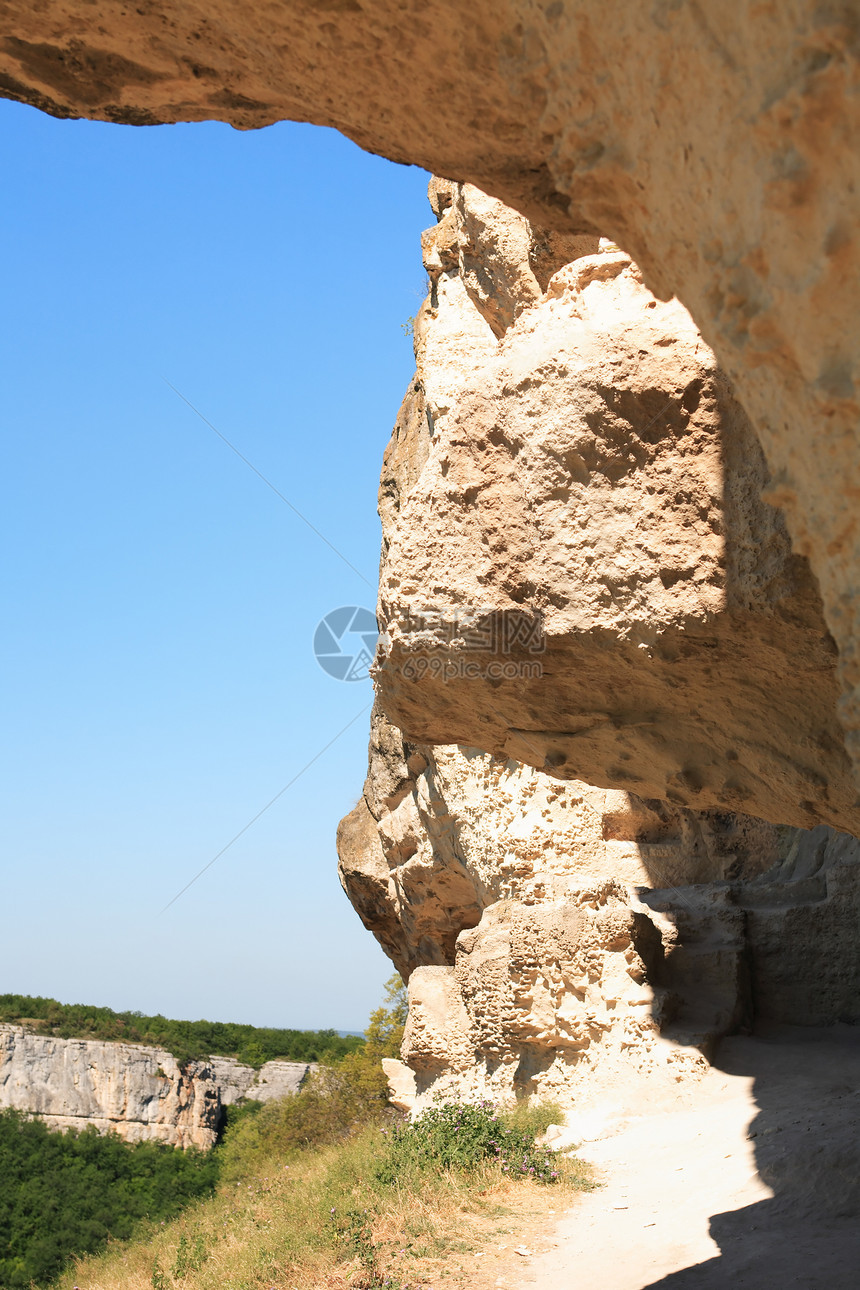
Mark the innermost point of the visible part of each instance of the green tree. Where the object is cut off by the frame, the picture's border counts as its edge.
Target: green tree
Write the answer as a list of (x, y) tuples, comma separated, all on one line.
[(66, 1193), (382, 1038), (384, 1033)]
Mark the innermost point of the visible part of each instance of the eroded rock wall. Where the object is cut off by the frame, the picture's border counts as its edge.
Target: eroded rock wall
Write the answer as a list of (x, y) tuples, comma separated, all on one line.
[(716, 144), (138, 1092), (442, 832), (581, 572), (580, 942)]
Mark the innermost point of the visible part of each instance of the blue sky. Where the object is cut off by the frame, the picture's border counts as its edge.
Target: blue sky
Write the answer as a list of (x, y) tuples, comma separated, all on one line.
[(159, 600)]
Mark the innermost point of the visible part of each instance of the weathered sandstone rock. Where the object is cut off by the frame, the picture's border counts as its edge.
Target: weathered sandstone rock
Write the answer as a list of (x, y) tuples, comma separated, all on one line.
[(716, 144), (441, 833), (583, 944), (578, 942), (139, 1092), (583, 575), (555, 999), (803, 932)]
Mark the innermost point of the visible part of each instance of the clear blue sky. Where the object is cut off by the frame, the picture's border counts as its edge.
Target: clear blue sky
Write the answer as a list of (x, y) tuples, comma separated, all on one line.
[(159, 601)]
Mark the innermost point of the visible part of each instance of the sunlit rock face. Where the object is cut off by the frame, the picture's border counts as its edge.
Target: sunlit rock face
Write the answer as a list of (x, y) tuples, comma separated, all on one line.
[(615, 994), (716, 145), (583, 575), (586, 943), (136, 1091)]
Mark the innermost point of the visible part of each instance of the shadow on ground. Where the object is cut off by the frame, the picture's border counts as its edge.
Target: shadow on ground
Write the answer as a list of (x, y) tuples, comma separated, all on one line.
[(806, 1138)]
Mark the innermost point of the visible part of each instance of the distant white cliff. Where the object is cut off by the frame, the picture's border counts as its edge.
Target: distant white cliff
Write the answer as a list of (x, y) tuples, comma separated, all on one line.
[(139, 1092)]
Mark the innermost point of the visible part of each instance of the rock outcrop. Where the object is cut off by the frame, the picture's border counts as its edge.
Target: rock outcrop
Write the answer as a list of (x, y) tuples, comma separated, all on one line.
[(716, 145), (575, 941), (138, 1092), (584, 576), (581, 481), (443, 832), (583, 944)]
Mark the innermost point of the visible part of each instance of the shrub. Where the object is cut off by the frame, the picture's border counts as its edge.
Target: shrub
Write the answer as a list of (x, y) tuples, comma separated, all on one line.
[(462, 1136), (332, 1104), (349, 1093), (324, 1217), (362, 1069)]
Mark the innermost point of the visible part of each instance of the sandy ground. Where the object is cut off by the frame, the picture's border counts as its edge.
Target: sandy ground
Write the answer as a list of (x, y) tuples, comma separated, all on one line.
[(753, 1181)]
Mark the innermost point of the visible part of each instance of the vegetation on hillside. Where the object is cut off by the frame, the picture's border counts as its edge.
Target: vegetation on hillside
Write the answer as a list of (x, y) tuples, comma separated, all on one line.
[(187, 1040), (367, 1202), (328, 1187), (62, 1193), (342, 1096), (333, 1187)]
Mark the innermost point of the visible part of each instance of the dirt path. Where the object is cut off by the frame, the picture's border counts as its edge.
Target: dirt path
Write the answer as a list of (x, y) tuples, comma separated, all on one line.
[(756, 1184)]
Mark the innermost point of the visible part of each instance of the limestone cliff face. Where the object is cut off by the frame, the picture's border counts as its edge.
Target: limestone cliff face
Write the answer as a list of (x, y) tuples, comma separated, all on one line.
[(716, 144), (139, 1092), (580, 943), (584, 575), (561, 938), (442, 832)]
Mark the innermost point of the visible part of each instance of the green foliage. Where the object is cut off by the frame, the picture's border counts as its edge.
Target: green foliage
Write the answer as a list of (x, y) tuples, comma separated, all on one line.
[(348, 1093), (187, 1040), (190, 1256), (292, 1218), (236, 1112), (333, 1103), (66, 1193), (354, 1230), (330, 1173), (362, 1069), (160, 1280), (462, 1136), (534, 1117), (384, 1033)]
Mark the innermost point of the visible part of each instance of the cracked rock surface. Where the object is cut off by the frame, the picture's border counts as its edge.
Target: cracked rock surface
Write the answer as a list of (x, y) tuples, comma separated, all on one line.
[(580, 572), (141, 1093)]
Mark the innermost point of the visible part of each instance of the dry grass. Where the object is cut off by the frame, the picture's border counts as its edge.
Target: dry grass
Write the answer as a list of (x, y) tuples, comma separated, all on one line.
[(462, 1241), (277, 1229)]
